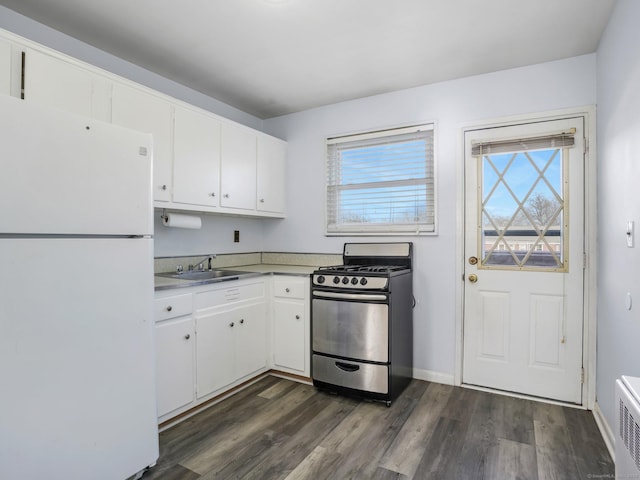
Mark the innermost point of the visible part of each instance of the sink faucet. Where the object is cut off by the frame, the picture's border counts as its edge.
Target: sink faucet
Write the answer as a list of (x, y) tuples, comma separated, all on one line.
[(200, 263)]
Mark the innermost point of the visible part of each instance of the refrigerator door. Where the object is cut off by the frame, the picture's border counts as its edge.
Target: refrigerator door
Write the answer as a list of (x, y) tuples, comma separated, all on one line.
[(76, 358), (66, 174)]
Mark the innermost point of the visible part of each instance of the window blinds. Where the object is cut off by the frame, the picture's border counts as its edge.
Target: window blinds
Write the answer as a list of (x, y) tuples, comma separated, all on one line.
[(381, 182), (561, 140)]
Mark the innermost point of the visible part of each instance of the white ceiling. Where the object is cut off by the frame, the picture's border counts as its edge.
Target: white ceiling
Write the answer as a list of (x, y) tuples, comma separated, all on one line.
[(272, 57)]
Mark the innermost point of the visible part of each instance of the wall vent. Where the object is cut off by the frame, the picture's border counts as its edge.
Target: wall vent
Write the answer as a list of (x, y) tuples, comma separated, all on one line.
[(628, 439)]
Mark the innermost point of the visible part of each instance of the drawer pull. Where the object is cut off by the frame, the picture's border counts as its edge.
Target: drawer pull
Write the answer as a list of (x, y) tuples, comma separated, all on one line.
[(347, 367), (169, 308), (287, 290)]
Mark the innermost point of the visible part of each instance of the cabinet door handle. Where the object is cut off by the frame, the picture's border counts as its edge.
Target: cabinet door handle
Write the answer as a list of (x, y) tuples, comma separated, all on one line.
[(231, 324), (226, 195), (169, 308), (287, 290), (242, 320), (297, 317), (262, 200), (187, 336), (212, 194), (164, 187)]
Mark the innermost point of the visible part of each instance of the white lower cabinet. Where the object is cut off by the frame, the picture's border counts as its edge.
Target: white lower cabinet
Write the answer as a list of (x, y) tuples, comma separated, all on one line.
[(211, 338), (208, 339), (231, 344), (290, 324), (175, 352), (175, 340)]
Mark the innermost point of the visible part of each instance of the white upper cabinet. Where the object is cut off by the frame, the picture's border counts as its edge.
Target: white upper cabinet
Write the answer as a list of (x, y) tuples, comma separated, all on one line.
[(147, 113), (53, 82), (238, 167), (5, 68), (196, 158), (271, 191), (201, 161)]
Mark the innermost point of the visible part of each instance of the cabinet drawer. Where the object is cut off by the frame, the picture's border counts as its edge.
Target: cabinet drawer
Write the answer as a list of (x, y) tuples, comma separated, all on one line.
[(174, 306), (223, 296), (289, 287)]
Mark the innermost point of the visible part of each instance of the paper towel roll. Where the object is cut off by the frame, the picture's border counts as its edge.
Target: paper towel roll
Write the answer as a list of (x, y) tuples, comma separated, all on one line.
[(179, 220)]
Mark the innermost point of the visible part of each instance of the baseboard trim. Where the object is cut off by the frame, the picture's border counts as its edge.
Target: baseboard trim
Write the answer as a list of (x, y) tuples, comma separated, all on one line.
[(431, 376), (605, 430)]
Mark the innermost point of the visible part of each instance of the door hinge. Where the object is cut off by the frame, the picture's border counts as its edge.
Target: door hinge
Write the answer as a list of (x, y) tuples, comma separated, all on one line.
[(582, 375), (584, 260)]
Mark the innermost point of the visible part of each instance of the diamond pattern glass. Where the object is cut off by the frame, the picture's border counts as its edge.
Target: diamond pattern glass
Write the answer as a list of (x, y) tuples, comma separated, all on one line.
[(523, 210)]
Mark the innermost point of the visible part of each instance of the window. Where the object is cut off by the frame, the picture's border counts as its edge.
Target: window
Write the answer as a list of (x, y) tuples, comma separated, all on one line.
[(381, 182)]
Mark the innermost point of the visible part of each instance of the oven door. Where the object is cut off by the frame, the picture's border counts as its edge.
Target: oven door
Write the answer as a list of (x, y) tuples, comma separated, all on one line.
[(354, 326)]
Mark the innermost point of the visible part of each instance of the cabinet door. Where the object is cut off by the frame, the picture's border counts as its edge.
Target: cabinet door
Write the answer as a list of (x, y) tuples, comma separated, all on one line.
[(196, 158), (289, 345), (215, 357), (271, 191), (53, 82), (141, 111), (238, 167), (5, 68), (174, 364), (251, 339)]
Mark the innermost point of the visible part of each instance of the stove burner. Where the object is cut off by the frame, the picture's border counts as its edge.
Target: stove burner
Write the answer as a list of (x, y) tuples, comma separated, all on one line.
[(363, 268)]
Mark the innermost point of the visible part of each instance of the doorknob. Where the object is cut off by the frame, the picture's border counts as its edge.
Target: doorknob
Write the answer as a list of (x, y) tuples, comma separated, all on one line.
[(473, 278)]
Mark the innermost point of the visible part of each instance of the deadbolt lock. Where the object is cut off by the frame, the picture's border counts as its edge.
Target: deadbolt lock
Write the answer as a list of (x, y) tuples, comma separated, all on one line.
[(473, 260)]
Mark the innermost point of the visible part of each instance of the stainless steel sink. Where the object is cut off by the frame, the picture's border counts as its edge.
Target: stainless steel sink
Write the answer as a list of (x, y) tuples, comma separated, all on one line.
[(203, 275)]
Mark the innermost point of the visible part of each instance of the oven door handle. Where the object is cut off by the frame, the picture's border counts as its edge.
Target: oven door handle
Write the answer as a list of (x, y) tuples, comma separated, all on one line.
[(350, 296), (347, 367)]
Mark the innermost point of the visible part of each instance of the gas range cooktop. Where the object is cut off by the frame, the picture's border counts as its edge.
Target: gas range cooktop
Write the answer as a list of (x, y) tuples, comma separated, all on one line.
[(366, 266), (362, 268)]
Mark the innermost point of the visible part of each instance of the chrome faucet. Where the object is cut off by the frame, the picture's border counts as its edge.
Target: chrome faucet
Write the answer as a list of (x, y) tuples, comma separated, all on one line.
[(200, 263)]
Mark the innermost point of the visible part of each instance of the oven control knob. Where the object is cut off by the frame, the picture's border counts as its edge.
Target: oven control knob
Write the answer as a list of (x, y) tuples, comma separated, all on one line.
[(354, 281), (336, 279), (363, 281), (345, 280), (320, 279)]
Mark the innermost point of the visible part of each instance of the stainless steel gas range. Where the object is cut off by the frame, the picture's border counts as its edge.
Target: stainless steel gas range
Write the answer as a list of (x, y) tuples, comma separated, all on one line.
[(362, 322)]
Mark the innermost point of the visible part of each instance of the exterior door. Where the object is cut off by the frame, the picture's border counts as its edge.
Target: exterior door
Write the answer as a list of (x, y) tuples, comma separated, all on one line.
[(524, 259)]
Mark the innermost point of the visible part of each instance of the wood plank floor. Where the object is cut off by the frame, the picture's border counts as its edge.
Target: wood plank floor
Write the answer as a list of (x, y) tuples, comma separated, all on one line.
[(280, 429)]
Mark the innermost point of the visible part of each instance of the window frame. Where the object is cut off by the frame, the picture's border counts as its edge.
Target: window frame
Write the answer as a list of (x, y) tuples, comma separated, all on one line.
[(378, 229)]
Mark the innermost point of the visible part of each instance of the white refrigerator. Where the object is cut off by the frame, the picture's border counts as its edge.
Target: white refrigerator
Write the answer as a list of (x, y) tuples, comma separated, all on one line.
[(77, 380)]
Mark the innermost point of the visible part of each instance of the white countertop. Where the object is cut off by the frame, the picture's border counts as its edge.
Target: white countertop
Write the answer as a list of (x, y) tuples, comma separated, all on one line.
[(277, 269), (163, 283)]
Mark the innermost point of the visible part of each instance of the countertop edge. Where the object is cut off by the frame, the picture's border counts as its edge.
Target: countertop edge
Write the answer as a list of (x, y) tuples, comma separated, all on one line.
[(164, 283)]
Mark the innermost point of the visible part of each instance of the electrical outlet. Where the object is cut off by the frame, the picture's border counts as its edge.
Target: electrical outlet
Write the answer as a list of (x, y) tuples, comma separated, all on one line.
[(236, 236)]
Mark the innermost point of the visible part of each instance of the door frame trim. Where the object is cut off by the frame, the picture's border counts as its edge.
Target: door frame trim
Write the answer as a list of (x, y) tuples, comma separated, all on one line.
[(590, 236)]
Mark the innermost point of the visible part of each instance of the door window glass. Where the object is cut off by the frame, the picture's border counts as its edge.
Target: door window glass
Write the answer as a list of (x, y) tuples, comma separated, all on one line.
[(523, 209)]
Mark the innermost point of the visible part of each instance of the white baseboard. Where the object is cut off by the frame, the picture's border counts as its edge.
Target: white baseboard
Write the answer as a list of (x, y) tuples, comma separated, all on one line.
[(431, 376), (605, 430)]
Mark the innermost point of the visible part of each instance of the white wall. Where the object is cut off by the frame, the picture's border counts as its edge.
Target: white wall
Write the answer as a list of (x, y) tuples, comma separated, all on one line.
[(618, 77), (215, 236), (539, 88)]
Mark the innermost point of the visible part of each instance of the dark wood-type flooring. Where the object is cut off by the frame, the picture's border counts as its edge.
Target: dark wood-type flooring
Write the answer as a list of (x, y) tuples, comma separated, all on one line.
[(277, 429)]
